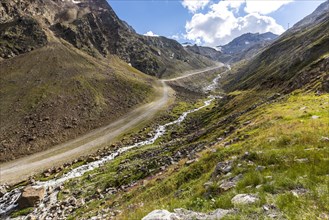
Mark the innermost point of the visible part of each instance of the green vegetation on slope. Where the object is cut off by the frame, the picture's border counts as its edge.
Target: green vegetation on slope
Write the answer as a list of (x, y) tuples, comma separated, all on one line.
[(286, 165), (283, 137), (292, 61)]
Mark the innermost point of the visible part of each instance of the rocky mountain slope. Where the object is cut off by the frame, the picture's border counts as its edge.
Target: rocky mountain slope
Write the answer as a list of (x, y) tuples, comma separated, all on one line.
[(298, 58), (50, 91), (208, 52), (247, 41), (93, 27), (51, 77), (244, 47), (56, 93), (318, 16)]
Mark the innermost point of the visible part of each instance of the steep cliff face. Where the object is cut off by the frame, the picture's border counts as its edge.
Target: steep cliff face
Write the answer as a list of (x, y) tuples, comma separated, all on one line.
[(21, 35), (93, 27), (102, 32), (19, 31)]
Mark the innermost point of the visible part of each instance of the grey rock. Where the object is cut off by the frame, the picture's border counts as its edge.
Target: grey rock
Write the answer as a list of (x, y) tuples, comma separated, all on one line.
[(302, 160), (189, 162), (298, 192), (272, 211), (226, 185), (72, 201), (237, 178), (246, 155), (184, 214), (260, 168), (161, 215), (222, 168), (324, 216), (187, 214), (244, 199), (208, 184), (230, 183)]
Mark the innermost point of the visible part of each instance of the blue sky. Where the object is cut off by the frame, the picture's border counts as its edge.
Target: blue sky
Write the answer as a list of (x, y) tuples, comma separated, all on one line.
[(211, 22)]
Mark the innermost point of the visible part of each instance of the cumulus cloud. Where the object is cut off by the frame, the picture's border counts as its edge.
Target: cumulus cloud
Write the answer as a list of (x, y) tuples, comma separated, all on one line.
[(264, 7), (195, 5), (175, 37), (221, 23), (151, 34)]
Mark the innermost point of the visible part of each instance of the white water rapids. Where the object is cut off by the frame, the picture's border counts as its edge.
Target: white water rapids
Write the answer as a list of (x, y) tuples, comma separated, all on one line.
[(9, 201)]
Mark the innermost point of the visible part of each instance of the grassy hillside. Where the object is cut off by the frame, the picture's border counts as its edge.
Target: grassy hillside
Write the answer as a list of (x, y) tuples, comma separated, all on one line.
[(55, 93), (282, 138), (295, 59), (277, 150)]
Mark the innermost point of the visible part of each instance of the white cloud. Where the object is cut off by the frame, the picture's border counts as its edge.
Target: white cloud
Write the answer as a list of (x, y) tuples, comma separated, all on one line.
[(221, 23), (195, 5), (265, 7), (151, 34), (175, 37)]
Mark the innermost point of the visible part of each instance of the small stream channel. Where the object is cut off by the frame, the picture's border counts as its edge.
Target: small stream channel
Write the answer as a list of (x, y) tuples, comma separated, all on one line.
[(8, 202)]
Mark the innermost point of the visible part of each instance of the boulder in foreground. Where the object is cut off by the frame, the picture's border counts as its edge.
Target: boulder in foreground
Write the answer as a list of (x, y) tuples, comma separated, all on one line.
[(31, 196), (183, 214)]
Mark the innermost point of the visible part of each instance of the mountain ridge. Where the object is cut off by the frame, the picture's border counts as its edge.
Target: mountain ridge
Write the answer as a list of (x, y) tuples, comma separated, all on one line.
[(93, 27), (243, 47), (288, 61), (315, 17), (246, 41)]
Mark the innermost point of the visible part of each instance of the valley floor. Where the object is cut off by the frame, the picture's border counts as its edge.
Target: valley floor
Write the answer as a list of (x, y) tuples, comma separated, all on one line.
[(19, 170), (272, 152)]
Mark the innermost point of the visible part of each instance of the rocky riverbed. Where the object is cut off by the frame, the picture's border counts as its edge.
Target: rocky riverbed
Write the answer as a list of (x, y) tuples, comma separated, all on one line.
[(43, 195)]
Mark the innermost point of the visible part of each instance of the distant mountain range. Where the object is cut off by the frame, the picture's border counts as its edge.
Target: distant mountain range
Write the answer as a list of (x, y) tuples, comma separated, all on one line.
[(247, 41), (208, 52), (297, 58), (245, 46)]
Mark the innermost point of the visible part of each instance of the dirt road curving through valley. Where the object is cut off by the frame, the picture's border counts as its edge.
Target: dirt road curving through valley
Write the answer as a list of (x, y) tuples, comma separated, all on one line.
[(18, 170)]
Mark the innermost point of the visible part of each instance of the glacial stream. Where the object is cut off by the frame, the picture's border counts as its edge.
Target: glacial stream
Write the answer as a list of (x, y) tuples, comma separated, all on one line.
[(9, 200)]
